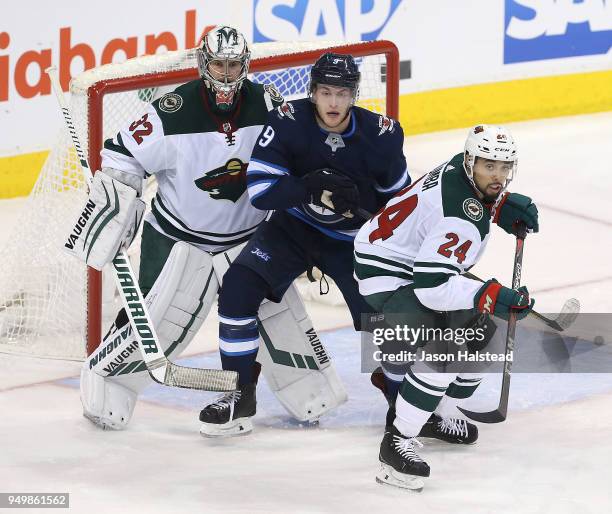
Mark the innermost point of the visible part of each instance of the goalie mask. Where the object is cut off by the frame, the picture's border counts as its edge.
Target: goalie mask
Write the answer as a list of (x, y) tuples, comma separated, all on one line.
[(335, 70), (223, 63), (489, 142)]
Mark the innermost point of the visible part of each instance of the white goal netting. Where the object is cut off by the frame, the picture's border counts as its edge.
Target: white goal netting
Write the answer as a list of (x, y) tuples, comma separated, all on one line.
[(43, 291)]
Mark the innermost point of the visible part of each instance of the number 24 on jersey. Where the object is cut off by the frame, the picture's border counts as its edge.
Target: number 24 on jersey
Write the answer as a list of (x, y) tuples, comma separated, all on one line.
[(393, 216)]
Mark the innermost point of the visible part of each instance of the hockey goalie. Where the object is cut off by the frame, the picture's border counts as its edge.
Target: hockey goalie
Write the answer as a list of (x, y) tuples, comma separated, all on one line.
[(197, 141)]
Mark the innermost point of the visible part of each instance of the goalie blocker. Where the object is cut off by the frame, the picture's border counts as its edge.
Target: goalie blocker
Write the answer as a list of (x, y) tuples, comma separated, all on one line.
[(110, 218), (293, 359)]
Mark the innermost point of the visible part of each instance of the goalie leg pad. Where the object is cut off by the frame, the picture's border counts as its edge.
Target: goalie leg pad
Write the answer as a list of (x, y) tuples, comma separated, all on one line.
[(295, 362), (106, 403), (182, 296), (178, 302)]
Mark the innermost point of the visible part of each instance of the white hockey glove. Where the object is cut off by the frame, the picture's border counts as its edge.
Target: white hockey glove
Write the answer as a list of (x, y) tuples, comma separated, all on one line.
[(110, 218)]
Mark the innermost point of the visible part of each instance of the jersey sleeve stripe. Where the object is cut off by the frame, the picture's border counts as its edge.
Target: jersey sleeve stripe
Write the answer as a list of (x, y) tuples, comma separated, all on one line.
[(259, 188), (263, 180), (430, 280), (382, 260), (364, 271), (399, 184), (118, 147), (422, 264), (267, 167)]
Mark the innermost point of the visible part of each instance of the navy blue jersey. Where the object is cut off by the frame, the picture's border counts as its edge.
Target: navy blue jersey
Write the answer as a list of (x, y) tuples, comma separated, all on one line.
[(292, 145)]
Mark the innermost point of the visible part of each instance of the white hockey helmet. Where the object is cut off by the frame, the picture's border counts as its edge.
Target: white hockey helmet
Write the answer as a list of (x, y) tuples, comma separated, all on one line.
[(225, 44), (490, 142)]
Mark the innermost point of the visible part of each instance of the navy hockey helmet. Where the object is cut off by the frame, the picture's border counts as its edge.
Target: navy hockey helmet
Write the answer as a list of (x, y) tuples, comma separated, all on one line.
[(338, 70)]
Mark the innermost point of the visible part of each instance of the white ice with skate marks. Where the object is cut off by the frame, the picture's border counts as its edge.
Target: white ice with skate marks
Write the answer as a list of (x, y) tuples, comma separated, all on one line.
[(551, 455)]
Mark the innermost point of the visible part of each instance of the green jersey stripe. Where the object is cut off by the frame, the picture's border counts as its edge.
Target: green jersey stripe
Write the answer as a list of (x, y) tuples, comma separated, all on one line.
[(422, 264), (430, 280), (365, 271), (370, 257), (172, 231), (166, 212)]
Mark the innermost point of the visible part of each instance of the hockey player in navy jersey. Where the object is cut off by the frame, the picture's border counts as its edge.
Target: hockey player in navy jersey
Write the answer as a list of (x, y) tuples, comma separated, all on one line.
[(318, 160)]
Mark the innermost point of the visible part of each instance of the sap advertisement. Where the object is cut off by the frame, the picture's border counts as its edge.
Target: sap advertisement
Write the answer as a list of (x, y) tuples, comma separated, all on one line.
[(442, 43), (537, 30), (275, 20)]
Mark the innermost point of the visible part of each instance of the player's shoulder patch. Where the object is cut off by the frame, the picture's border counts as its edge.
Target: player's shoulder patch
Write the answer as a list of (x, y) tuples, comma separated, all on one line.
[(170, 102), (286, 110), (274, 93), (473, 209), (386, 124)]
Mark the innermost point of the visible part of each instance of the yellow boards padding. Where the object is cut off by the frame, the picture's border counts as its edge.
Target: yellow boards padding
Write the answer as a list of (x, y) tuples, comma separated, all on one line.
[(503, 102), (19, 173)]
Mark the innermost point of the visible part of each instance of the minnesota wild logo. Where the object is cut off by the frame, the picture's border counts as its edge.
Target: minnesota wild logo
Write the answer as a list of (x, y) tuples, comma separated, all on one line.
[(227, 182)]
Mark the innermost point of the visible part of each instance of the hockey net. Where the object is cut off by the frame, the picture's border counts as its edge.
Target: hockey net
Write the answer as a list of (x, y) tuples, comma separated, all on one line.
[(50, 304)]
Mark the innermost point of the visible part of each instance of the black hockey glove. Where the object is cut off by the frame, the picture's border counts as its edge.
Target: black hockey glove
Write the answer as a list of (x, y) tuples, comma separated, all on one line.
[(514, 208), (329, 189)]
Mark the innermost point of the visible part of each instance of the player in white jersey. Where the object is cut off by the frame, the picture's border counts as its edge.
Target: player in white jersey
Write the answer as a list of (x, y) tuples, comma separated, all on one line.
[(197, 141), (410, 261)]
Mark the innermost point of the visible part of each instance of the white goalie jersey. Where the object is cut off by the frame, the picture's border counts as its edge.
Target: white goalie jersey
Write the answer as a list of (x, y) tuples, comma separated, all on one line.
[(427, 236), (199, 160)]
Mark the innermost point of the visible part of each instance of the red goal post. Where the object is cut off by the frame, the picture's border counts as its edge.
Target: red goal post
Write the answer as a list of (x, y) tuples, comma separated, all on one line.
[(100, 89)]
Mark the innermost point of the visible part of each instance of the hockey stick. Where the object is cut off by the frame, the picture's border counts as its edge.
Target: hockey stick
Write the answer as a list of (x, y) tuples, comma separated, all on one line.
[(567, 315), (498, 415), (160, 368)]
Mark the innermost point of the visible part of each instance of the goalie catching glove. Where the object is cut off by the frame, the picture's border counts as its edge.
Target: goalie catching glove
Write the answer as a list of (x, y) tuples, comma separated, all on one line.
[(329, 189), (110, 218), (500, 301)]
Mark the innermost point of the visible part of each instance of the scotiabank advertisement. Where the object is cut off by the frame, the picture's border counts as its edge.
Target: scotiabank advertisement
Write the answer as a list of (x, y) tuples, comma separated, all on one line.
[(442, 44)]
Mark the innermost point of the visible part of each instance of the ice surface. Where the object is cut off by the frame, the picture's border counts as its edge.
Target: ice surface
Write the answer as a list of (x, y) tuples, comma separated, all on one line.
[(551, 455)]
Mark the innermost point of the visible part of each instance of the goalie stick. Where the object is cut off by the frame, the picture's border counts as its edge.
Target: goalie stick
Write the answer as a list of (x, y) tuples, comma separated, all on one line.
[(160, 368), (498, 415)]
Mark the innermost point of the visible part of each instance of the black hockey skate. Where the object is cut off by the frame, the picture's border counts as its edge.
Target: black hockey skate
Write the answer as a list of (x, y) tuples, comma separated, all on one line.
[(230, 414), (400, 465), (451, 430)]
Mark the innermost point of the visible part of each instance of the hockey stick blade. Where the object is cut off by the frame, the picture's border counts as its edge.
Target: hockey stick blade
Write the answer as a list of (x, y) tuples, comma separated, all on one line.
[(494, 416), (159, 367), (568, 314)]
